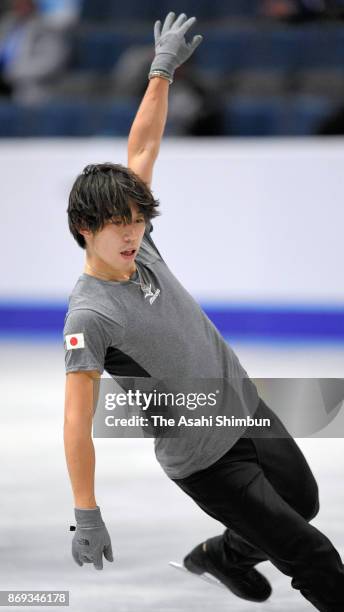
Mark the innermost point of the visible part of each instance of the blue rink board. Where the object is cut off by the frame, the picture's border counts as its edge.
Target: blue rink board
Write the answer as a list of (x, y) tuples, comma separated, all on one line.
[(236, 321)]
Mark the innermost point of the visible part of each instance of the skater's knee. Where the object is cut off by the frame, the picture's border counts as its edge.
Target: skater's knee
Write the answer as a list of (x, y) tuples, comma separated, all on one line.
[(315, 507), (311, 503)]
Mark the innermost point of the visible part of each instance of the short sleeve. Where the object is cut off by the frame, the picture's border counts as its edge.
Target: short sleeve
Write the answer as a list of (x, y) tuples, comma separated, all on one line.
[(148, 243), (86, 341)]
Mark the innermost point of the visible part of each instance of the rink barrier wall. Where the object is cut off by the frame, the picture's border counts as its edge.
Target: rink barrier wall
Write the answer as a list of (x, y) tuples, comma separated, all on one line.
[(254, 322)]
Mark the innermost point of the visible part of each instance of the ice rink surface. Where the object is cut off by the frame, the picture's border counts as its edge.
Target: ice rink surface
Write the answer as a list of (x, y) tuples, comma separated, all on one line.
[(150, 520)]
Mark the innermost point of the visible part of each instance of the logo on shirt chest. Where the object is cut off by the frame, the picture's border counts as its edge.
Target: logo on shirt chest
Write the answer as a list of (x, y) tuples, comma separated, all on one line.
[(148, 293)]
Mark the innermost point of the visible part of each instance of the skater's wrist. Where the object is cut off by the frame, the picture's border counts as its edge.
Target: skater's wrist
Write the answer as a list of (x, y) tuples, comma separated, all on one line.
[(88, 503), (88, 517)]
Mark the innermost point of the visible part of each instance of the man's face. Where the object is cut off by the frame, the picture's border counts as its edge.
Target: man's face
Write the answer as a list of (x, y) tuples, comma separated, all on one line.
[(117, 244)]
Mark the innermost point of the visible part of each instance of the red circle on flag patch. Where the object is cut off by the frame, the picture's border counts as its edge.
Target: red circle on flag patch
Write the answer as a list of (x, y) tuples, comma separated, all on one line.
[(74, 341)]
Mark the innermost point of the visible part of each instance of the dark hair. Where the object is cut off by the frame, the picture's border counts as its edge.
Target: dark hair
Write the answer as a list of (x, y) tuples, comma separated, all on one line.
[(103, 191)]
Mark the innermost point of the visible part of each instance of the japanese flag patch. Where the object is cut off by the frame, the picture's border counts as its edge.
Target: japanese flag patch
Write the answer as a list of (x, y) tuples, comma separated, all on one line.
[(74, 341)]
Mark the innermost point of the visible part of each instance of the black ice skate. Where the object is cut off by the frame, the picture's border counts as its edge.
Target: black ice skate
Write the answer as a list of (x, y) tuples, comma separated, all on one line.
[(248, 584)]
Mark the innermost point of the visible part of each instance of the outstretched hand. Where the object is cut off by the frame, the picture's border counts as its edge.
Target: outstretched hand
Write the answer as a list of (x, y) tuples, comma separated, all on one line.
[(171, 48)]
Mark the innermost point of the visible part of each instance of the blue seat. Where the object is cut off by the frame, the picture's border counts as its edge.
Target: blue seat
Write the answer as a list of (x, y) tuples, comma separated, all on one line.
[(248, 117), (65, 119), (94, 11), (322, 47), (75, 119), (68, 119), (306, 113), (274, 116), (235, 8), (99, 49), (202, 9), (10, 125), (271, 116), (146, 10), (226, 50), (129, 10), (15, 120), (116, 119), (223, 49)]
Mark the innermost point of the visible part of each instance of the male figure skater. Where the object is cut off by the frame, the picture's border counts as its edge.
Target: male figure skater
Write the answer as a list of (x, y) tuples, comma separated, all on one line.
[(129, 315)]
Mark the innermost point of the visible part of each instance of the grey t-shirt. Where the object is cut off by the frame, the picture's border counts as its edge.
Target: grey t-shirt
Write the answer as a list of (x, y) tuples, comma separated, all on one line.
[(164, 334)]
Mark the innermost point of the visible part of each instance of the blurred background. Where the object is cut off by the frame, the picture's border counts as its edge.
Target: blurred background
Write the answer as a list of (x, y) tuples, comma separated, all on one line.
[(250, 180), (265, 68)]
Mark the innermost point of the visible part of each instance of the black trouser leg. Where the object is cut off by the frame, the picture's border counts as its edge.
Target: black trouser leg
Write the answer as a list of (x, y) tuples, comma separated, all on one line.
[(263, 491), (287, 470)]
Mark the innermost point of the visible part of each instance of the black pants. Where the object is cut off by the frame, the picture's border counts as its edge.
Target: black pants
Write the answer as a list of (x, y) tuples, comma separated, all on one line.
[(264, 492)]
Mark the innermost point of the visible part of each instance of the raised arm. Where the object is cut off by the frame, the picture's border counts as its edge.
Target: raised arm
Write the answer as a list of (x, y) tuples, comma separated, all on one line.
[(171, 50), (148, 128)]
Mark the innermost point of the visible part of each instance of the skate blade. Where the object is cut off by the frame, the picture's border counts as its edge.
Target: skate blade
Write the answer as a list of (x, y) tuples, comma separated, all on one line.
[(206, 577)]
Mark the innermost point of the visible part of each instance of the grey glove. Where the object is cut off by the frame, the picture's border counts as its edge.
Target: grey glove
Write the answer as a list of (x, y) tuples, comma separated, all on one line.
[(171, 48), (91, 539)]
